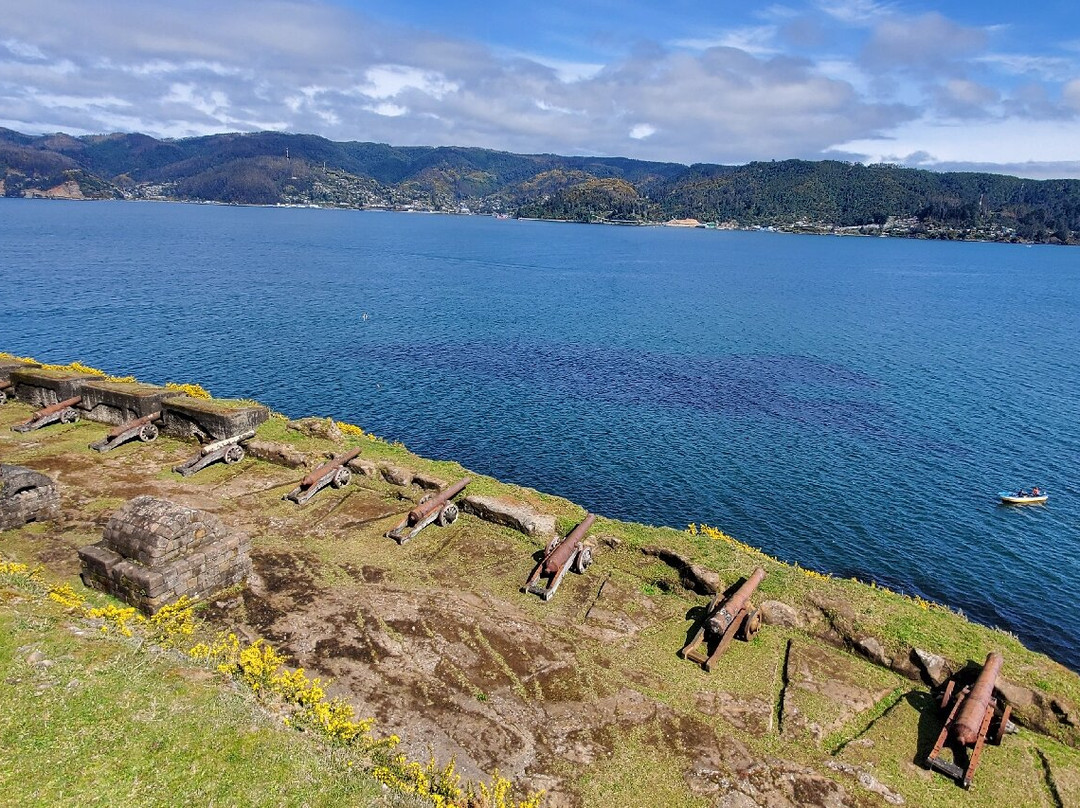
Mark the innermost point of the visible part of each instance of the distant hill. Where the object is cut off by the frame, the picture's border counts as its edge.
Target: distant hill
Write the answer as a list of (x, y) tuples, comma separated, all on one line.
[(271, 168)]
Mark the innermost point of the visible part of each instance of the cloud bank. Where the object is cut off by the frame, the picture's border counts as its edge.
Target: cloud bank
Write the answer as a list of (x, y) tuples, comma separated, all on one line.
[(852, 79)]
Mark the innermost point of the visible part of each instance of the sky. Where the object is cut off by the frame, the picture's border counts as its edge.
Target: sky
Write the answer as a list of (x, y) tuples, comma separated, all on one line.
[(964, 85)]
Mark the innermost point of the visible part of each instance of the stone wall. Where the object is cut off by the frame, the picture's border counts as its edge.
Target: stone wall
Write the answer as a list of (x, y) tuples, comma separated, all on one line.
[(26, 496), (155, 551), (42, 387), (208, 420), (9, 365), (110, 402)]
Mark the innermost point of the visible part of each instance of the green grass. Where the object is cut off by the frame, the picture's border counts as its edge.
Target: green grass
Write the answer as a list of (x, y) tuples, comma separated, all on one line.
[(98, 722)]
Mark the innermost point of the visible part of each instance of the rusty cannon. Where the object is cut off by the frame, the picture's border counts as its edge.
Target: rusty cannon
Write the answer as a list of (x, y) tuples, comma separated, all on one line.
[(5, 386), (227, 450), (436, 509), (142, 428), (63, 412), (559, 556), (335, 473), (973, 719), (725, 620)]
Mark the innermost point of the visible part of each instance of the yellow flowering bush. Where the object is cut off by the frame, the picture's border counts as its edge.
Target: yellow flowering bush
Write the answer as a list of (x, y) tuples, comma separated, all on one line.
[(193, 390), (118, 619), (350, 429), (719, 535), (222, 653), (21, 573), (497, 795), (172, 623), (67, 597), (79, 367), (442, 786)]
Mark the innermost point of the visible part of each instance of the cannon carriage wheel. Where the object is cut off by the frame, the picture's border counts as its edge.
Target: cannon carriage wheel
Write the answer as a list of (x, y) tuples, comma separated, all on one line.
[(234, 454), (447, 515), (3, 398), (342, 477), (582, 560), (750, 626), (68, 416), (998, 735), (148, 433)]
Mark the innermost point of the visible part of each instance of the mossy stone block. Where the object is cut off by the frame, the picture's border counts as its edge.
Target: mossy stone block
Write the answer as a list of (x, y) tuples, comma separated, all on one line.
[(210, 419), (42, 387), (111, 402)]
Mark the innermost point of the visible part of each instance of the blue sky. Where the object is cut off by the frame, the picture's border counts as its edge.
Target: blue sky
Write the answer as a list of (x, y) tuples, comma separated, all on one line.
[(963, 85)]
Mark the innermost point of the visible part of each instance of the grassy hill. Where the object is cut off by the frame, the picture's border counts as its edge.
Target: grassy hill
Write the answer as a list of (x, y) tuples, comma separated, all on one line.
[(269, 168)]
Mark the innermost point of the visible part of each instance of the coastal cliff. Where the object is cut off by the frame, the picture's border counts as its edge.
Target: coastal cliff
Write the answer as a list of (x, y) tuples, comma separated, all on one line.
[(835, 701)]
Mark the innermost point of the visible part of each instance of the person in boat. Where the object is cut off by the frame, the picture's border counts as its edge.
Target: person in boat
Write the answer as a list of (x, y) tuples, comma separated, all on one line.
[(1022, 492), (1035, 491)]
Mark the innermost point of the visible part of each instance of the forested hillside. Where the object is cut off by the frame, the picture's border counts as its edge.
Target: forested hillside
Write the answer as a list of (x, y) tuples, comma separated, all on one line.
[(270, 168)]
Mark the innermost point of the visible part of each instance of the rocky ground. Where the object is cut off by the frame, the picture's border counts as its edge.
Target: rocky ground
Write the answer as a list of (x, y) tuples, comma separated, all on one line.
[(583, 696)]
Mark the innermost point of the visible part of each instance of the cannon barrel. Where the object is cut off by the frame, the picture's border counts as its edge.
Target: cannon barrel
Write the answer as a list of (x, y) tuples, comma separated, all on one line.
[(61, 405), (725, 615), (322, 470), (969, 722), (119, 430), (221, 444), (566, 548), (424, 509)]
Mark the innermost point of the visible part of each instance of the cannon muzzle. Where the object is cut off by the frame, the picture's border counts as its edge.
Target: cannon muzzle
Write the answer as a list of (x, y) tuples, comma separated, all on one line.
[(968, 726)]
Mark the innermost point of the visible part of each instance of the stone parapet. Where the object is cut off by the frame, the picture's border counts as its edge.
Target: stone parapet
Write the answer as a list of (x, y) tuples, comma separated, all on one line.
[(110, 402), (208, 420), (42, 387), (9, 365)]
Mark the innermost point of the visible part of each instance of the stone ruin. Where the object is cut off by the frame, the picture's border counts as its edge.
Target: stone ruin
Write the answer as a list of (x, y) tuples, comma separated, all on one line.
[(26, 496), (154, 552)]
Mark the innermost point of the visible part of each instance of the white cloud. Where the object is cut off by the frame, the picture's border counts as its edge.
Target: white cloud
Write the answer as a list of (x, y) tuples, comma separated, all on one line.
[(566, 71), (24, 50), (1002, 141), (1071, 95), (961, 98), (387, 109), (758, 40), (856, 12), (929, 42), (388, 81), (1051, 68), (864, 71)]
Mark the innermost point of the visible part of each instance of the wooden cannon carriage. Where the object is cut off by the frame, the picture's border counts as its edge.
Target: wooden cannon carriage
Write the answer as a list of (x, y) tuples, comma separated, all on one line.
[(335, 474), (973, 719), (437, 509), (142, 428), (723, 621), (227, 450), (63, 412), (560, 556)]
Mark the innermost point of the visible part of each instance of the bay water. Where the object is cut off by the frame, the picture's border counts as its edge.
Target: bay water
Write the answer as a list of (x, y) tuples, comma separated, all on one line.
[(850, 404)]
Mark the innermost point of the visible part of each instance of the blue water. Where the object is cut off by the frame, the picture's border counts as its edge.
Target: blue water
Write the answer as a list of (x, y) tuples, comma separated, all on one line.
[(850, 404)]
